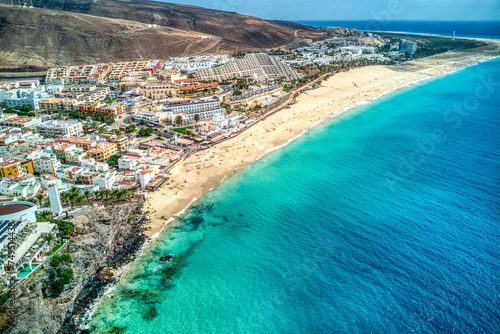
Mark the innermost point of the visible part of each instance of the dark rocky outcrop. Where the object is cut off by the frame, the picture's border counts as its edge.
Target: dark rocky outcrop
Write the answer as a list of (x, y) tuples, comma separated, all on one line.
[(109, 238)]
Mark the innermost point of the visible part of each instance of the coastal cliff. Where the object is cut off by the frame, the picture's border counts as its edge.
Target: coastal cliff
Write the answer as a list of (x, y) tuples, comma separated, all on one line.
[(109, 238)]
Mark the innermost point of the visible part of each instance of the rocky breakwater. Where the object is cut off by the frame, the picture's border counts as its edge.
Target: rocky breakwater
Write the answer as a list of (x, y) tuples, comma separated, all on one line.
[(108, 238)]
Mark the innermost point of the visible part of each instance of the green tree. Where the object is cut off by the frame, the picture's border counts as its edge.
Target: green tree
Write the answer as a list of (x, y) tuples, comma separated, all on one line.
[(145, 132), (39, 199), (197, 118), (48, 238), (124, 88), (88, 196), (113, 160), (44, 216), (178, 120), (131, 128)]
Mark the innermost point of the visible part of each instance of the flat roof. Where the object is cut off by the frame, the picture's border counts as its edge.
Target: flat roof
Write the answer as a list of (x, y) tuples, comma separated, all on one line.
[(7, 209)]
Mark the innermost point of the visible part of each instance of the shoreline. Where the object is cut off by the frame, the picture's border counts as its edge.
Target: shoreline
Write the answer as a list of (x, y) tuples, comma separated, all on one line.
[(205, 170), (164, 211), (341, 92)]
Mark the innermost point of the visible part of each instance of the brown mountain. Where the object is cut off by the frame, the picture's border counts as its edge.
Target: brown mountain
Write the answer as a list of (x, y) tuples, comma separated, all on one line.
[(247, 31), (81, 31)]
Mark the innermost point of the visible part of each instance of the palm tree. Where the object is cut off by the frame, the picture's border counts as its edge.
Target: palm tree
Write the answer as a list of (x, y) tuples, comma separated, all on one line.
[(44, 215), (88, 196), (39, 199), (106, 193), (79, 199), (64, 197), (49, 238), (197, 118), (178, 120)]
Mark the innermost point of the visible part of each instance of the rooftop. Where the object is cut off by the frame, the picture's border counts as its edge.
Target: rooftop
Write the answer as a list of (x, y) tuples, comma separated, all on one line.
[(7, 208)]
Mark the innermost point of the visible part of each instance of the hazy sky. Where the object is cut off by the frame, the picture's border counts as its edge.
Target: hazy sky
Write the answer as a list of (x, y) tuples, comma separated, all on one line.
[(358, 9)]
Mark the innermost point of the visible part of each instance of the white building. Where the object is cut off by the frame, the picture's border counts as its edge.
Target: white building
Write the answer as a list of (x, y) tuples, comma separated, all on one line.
[(94, 166), (18, 210), (58, 128), (55, 200), (128, 162), (105, 180), (145, 176), (21, 97), (46, 164)]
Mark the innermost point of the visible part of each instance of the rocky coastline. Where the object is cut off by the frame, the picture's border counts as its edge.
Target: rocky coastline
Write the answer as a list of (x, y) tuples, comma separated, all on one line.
[(108, 239)]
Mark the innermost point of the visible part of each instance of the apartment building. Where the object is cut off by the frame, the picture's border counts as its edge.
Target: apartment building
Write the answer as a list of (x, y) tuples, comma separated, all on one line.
[(122, 143), (51, 105), (129, 68), (54, 129), (46, 164), (253, 96), (186, 82), (82, 143), (258, 66), (158, 91), (15, 168), (199, 87), (21, 122), (84, 74), (85, 92), (153, 66), (192, 107), (93, 165), (102, 151), (102, 108)]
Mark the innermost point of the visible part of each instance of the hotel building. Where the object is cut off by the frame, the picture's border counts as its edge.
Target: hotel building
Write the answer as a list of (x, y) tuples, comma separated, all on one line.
[(258, 66)]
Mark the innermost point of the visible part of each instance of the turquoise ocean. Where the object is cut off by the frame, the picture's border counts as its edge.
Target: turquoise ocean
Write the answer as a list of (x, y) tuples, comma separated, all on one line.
[(383, 220)]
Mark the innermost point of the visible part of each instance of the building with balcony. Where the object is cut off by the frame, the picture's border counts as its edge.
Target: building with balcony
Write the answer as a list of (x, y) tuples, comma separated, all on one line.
[(54, 129), (102, 151), (258, 66)]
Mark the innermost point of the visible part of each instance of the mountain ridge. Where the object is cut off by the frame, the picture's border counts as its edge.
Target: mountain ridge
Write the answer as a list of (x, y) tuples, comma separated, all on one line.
[(81, 31)]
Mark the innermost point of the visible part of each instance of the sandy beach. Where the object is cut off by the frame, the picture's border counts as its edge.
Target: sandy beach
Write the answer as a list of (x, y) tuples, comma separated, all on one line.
[(205, 170)]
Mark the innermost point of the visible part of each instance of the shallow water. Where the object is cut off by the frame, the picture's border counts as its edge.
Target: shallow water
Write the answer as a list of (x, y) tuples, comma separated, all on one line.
[(384, 220)]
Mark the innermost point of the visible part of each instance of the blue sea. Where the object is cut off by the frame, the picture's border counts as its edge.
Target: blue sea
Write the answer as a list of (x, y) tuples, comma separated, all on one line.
[(383, 220), (470, 29)]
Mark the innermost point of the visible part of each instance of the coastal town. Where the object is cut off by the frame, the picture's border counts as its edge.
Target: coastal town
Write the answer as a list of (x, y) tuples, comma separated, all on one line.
[(88, 135), (96, 135)]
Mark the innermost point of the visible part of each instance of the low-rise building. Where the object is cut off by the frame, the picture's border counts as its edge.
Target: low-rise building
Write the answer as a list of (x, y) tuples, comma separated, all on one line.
[(15, 168), (105, 180), (103, 151), (54, 129), (95, 166), (51, 105), (27, 250), (19, 187), (128, 162), (46, 164), (21, 122), (253, 96)]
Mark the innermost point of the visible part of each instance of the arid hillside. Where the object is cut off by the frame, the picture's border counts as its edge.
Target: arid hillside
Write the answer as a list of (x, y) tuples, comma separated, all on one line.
[(57, 32)]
